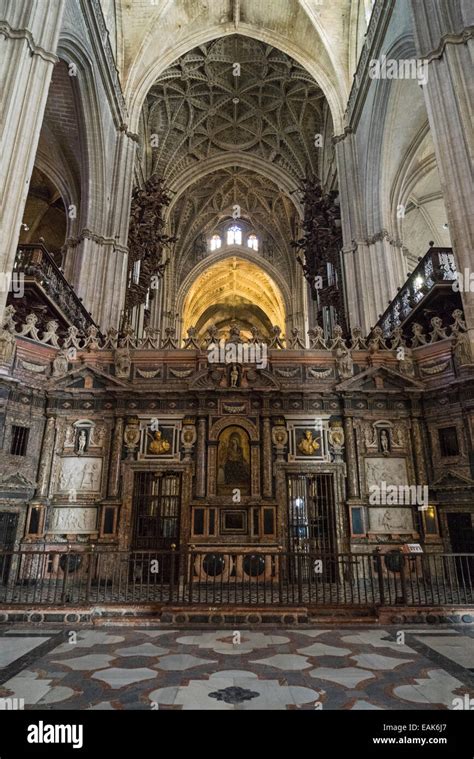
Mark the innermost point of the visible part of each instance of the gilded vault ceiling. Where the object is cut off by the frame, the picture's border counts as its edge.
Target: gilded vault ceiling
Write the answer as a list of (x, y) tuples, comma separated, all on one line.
[(234, 289)]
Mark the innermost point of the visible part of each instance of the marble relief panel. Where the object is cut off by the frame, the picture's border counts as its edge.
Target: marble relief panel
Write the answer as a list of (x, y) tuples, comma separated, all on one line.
[(80, 474), (73, 520)]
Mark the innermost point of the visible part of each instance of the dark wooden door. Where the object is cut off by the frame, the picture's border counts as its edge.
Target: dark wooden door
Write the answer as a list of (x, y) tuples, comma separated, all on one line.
[(156, 510), (8, 526), (461, 536)]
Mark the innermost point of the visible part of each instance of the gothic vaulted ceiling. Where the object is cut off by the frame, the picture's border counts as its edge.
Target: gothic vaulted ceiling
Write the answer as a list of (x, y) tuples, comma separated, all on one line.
[(233, 122), (268, 211), (235, 94)]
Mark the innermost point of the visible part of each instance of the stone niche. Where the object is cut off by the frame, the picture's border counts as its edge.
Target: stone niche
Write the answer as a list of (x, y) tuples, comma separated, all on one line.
[(77, 520)]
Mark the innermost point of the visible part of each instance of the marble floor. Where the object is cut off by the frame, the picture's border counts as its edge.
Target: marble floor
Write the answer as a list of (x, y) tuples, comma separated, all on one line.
[(350, 668)]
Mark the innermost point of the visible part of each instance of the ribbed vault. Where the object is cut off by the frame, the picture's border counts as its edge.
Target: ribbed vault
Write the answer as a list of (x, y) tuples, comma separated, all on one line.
[(234, 289)]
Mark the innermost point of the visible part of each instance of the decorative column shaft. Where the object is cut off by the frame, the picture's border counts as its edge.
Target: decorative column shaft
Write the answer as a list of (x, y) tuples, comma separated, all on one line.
[(352, 473), (417, 438), (267, 459), (201, 459), (115, 457), (46, 458), (29, 32)]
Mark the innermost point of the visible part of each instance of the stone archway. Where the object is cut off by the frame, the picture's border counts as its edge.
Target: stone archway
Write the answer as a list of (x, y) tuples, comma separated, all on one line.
[(232, 289)]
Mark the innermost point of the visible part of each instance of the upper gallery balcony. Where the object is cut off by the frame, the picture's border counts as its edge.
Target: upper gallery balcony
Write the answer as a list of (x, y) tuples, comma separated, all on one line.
[(427, 292), (38, 285)]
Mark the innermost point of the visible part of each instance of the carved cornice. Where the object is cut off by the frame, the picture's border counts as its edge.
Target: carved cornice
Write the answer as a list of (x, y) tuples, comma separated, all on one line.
[(89, 234), (449, 39), (131, 135), (25, 34), (383, 234), (340, 137)]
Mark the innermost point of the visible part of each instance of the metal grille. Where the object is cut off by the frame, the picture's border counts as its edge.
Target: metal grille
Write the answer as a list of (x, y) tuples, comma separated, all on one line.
[(19, 440), (156, 509), (311, 513)]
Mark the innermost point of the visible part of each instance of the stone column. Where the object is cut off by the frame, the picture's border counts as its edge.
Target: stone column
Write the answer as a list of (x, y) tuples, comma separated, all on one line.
[(44, 472), (115, 458), (267, 459), (351, 456), (444, 40), (97, 260), (201, 459), (373, 268), (418, 448), (29, 33), (353, 252)]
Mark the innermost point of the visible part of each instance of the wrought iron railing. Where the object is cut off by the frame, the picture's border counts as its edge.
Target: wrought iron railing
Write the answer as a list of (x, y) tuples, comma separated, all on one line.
[(249, 577), (37, 265), (437, 267)]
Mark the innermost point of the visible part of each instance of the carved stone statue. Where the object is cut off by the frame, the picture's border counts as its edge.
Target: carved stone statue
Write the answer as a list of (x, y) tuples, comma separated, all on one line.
[(344, 363), (370, 436), (7, 347), (275, 340), (234, 376), (81, 442), (438, 332), (29, 328), (418, 335), (336, 437), (234, 333), (60, 363), (123, 363), (406, 365), (384, 441), (357, 340), (307, 444), (316, 339), (462, 349), (50, 334), (8, 322), (92, 339)]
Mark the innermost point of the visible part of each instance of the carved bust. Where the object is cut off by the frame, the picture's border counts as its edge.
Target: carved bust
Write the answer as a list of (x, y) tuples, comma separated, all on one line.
[(158, 446), (307, 444)]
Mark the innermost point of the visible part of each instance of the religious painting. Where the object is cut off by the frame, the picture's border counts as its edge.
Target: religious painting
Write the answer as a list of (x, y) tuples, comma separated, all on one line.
[(233, 461)]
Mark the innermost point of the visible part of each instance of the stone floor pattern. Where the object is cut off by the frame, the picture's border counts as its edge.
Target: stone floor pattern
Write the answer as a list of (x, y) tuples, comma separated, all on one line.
[(125, 668)]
